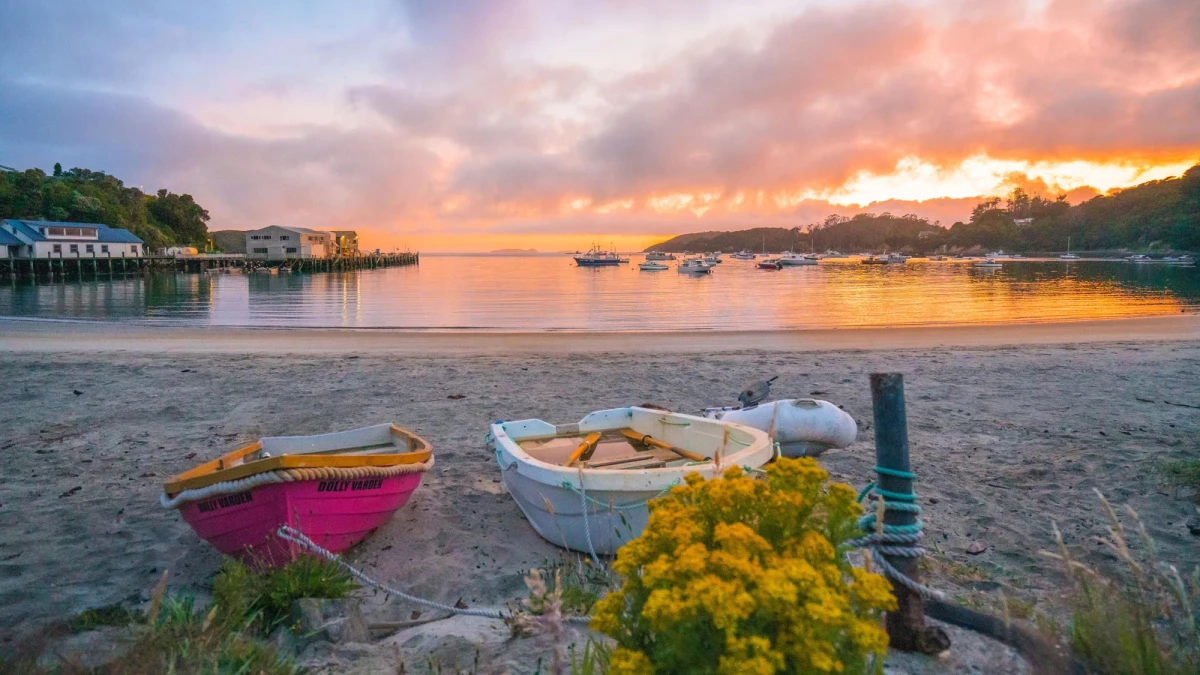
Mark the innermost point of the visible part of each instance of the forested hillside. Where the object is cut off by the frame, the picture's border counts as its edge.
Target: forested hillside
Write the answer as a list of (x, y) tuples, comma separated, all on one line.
[(85, 196), (1157, 216)]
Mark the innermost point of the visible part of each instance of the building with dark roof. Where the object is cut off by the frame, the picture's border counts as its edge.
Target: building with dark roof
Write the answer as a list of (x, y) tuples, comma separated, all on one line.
[(280, 243), (47, 239)]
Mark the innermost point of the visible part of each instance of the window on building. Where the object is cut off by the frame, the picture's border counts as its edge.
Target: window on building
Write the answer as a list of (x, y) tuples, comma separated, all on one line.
[(133, 249), (266, 236), (58, 248), (104, 248), (260, 250), (74, 248), (87, 231), (56, 231), (284, 237), (291, 250), (255, 237), (90, 249), (72, 231)]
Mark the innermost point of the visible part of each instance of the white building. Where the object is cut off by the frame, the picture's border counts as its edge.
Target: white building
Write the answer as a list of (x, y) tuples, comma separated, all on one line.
[(277, 243), (45, 239)]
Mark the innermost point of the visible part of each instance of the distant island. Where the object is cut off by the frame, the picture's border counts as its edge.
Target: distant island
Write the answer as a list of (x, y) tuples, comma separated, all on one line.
[(513, 251), (1162, 215)]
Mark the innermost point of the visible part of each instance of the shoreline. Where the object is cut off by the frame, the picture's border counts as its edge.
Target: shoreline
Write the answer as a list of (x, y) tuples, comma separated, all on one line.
[(38, 335)]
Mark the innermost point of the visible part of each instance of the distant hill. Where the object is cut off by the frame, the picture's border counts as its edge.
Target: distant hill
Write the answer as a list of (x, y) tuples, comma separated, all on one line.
[(229, 241), (1158, 216)]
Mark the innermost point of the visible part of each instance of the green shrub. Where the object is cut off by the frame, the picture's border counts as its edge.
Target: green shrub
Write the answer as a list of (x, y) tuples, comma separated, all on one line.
[(247, 597), (108, 615)]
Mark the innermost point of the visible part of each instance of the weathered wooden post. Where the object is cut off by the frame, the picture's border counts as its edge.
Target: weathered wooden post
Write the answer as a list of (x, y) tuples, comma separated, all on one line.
[(906, 626)]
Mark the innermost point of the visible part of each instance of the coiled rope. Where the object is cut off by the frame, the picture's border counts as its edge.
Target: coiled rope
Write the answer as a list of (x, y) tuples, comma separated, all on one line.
[(291, 476), (900, 541), (300, 539)]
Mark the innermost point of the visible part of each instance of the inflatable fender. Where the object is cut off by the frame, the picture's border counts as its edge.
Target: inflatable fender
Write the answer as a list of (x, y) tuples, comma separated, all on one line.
[(803, 427)]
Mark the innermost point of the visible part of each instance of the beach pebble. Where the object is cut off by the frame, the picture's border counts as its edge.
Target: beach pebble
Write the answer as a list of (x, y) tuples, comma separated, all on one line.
[(934, 500), (976, 547), (1193, 525), (78, 393), (455, 397)]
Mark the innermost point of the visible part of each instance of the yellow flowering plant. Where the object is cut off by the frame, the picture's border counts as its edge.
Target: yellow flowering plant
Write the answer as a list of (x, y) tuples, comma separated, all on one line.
[(744, 576)]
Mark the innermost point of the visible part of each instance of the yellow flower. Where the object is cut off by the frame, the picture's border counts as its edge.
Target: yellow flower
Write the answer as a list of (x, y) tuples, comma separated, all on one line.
[(744, 576)]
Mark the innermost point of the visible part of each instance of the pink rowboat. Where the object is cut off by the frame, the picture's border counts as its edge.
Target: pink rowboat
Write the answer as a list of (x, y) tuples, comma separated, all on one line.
[(335, 488)]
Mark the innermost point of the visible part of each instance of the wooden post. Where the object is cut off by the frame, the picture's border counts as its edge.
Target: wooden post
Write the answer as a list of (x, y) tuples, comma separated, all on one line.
[(906, 626)]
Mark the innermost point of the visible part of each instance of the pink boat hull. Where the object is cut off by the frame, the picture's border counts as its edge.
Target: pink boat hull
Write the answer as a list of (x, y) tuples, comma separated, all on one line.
[(336, 514)]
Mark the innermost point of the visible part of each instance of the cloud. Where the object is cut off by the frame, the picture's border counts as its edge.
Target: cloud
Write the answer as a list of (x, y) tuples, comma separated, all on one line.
[(323, 177), (471, 123)]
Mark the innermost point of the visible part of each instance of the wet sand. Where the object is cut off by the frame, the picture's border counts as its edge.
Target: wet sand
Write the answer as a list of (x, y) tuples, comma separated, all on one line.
[(1005, 438)]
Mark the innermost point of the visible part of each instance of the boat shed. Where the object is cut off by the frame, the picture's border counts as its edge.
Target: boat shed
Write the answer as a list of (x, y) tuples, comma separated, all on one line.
[(48, 239), (276, 242)]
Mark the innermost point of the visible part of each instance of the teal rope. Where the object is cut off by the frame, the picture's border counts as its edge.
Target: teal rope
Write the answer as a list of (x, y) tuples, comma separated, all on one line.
[(893, 540)]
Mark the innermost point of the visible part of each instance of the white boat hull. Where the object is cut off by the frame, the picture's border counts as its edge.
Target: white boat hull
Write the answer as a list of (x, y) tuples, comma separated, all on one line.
[(803, 427), (797, 262), (598, 510)]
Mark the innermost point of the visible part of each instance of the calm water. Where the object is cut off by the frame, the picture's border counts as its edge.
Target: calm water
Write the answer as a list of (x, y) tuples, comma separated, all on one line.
[(540, 293)]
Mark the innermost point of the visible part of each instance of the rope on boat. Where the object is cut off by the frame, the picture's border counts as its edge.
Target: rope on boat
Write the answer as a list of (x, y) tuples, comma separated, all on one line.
[(290, 476), (300, 539), (895, 540)]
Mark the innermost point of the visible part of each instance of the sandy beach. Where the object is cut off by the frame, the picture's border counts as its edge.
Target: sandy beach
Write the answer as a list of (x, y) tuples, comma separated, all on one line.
[(1011, 428)]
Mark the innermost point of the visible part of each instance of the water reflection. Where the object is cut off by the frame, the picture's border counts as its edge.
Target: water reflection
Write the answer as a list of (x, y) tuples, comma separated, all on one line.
[(551, 293)]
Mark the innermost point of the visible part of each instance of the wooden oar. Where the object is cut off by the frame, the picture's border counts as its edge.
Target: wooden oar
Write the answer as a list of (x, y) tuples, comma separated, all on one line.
[(649, 440), (588, 446)]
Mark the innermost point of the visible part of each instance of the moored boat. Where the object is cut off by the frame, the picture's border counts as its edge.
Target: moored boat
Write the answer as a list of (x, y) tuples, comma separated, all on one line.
[(695, 266), (796, 260), (598, 258), (659, 255), (988, 263), (1138, 258), (652, 266), (769, 264), (584, 486), (335, 488), (874, 260), (743, 255)]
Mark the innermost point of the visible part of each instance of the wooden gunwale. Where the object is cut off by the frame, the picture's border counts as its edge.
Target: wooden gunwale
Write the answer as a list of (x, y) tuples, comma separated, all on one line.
[(227, 467)]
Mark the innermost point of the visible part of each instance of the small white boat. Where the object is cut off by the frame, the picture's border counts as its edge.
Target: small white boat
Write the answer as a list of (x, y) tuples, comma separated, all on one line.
[(713, 258), (796, 260), (937, 258), (584, 486), (1138, 258), (803, 427), (1068, 255), (652, 266), (695, 266), (997, 254), (1182, 260), (896, 259), (834, 254), (743, 255), (659, 255), (988, 263)]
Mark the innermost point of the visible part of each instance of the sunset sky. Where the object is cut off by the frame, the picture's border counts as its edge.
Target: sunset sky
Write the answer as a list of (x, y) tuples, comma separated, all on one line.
[(478, 124)]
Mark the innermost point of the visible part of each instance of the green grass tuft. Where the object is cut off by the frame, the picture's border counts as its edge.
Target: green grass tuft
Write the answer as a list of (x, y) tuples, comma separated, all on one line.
[(108, 615), (263, 599), (1184, 472)]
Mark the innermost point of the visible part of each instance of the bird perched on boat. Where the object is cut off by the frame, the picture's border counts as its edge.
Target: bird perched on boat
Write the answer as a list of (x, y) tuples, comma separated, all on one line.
[(754, 394)]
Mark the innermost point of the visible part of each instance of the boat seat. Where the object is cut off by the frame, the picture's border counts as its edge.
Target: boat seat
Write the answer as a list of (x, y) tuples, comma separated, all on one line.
[(641, 461)]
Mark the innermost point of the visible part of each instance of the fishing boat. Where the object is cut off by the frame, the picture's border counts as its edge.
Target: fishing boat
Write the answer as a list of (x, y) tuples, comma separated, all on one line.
[(652, 266), (896, 259), (695, 266), (874, 260), (659, 255), (713, 258), (584, 486), (598, 258), (335, 488), (791, 259), (770, 264), (988, 263), (744, 255)]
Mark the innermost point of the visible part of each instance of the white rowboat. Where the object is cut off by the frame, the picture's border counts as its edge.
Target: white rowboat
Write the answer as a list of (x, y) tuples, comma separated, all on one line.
[(596, 502)]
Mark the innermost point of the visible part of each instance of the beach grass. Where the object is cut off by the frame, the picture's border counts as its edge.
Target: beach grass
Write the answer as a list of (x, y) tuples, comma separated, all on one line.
[(1183, 472), (115, 615), (1143, 621), (262, 598)]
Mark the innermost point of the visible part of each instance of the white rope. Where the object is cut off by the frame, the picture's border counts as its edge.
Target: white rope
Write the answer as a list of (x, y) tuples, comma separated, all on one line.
[(226, 487), (296, 537)]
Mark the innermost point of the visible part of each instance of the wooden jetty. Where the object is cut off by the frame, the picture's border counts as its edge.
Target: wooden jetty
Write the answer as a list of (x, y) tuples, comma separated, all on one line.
[(75, 269)]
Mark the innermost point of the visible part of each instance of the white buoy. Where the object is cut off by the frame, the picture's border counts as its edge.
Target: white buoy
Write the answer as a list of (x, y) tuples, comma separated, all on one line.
[(803, 427)]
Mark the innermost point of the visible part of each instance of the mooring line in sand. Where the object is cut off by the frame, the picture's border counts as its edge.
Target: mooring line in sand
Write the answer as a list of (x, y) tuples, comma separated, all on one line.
[(299, 538)]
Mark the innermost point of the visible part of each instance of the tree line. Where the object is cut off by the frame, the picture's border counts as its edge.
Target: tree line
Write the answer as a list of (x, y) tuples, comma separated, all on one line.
[(1161, 215), (85, 196)]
